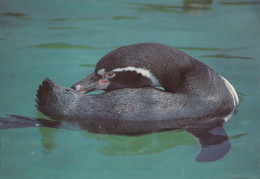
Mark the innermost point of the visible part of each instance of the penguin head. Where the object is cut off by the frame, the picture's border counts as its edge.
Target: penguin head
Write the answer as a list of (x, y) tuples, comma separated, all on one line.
[(137, 66), (118, 78)]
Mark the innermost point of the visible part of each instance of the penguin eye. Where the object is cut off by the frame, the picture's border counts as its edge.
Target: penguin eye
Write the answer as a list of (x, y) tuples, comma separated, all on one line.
[(99, 76), (110, 74)]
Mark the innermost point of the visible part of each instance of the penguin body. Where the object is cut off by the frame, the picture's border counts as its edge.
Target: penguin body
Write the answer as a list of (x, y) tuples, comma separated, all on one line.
[(152, 64), (128, 111)]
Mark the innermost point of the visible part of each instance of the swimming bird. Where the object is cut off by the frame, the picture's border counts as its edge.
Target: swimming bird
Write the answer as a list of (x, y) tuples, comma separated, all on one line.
[(194, 97), (157, 65)]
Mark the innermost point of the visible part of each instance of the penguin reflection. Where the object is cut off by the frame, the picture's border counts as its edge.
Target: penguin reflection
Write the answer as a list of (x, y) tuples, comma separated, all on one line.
[(214, 142)]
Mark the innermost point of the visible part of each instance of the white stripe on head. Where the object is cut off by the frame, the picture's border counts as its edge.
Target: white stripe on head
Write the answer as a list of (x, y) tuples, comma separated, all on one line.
[(141, 71), (232, 91), (101, 72)]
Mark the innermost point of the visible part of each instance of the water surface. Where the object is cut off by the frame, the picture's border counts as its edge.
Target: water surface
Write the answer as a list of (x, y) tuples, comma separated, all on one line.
[(64, 39)]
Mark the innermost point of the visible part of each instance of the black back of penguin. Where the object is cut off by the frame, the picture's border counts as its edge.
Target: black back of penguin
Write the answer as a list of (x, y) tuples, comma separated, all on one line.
[(166, 63), (176, 71)]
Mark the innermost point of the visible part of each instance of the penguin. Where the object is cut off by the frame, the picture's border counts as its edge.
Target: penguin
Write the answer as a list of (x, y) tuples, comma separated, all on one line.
[(194, 98), (157, 65)]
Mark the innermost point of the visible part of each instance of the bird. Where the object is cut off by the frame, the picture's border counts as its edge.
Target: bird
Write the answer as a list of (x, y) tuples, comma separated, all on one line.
[(157, 65), (148, 87)]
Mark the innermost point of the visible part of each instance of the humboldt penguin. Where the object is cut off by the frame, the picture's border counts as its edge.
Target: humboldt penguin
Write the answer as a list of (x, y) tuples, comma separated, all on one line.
[(192, 97)]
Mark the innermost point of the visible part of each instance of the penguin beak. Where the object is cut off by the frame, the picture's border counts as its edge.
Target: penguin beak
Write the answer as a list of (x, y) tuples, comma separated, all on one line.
[(88, 84)]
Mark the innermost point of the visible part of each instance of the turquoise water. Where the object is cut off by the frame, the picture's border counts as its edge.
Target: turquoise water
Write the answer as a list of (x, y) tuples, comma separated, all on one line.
[(64, 39)]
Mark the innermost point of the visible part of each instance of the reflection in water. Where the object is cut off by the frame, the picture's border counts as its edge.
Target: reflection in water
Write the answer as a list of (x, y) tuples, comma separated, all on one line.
[(60, 19), (212, 49), (226, 56), (48, 135), (220, 50), (189, 7), (74, 19), (197, 4), (199, 48), (144, 144), (214, 140), (65, 46), (63, 28), (125, 18), (47, 140), (214, 143), (240, 3), (14, 14), (61, 46)]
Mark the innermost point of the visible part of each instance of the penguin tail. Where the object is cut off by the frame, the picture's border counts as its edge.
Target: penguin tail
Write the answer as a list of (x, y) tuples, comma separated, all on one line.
[(43, 100), (15, 121)]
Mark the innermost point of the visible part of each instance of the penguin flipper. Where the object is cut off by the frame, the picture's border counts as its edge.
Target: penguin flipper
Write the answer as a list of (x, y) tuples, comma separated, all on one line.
[(16, 121), (214, 143)]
